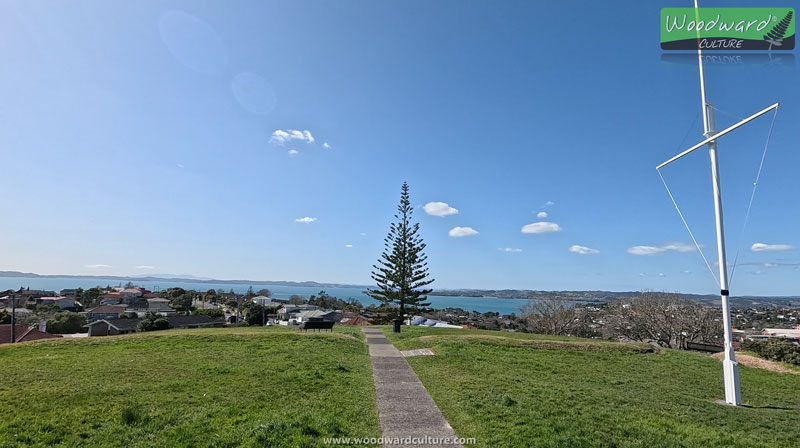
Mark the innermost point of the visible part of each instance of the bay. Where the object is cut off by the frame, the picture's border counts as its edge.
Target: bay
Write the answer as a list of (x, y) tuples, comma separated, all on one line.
[(480, 304)]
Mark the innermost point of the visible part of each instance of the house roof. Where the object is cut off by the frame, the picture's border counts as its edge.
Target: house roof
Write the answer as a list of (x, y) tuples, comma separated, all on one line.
[(119, 324), (108, 309), (55, 298), (23, 334), (358, 320), (315, 313), (198, 319)]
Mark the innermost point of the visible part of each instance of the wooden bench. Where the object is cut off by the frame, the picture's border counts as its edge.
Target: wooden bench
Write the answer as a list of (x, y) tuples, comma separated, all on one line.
[(317, 325)]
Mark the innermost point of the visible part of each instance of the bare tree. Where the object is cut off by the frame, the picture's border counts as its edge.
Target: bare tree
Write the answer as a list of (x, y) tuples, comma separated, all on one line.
[(667, 319), (549, 316)]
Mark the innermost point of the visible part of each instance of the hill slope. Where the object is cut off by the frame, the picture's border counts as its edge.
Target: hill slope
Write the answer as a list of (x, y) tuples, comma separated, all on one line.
[(192, 388), (511, 390)]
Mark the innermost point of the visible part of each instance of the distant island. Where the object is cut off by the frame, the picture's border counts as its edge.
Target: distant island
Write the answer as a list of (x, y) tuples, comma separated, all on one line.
[(178, 279)]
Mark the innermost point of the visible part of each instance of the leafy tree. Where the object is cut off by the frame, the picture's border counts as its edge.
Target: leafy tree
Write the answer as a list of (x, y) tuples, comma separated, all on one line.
[(250, 293), (297, 300), (401, 273), (182, 302), (91, 297), (173, 293), (5, 317), (152, 322), (264, 292), (254, 314), (65, 322)]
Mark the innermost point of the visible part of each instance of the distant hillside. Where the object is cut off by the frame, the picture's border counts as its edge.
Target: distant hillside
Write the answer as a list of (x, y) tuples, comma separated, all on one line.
[(179, 279), (605, 296)]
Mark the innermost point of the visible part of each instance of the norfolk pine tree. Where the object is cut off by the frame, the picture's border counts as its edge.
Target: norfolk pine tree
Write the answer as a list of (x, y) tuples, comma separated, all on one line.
[(401, 273)]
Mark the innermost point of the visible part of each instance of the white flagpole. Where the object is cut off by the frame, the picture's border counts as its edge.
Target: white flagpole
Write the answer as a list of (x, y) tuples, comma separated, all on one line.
[(730, 367)]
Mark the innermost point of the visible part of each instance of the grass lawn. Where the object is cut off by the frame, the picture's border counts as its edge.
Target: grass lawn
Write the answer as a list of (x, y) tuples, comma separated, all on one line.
[(188, 388), (513, 390)]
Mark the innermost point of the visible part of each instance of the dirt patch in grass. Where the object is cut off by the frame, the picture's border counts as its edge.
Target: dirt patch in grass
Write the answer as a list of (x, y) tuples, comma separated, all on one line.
[(758, 363), (544, 344)]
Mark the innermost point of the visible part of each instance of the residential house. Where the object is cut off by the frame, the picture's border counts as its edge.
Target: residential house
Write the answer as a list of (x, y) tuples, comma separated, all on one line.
[(289, 312), (267, 302), (111, 298), (130, 294), (23, 334), (112, 327), (159, 306), (106, 312), (425, 322), (357, 320), (785, 333), (65, 303), (316, 316)]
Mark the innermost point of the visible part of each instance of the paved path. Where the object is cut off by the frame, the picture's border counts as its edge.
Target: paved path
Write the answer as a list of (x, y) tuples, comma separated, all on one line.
[(405, 408)]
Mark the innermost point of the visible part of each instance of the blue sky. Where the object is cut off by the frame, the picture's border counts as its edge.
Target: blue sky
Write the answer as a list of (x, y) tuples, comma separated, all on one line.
[(140, 138)]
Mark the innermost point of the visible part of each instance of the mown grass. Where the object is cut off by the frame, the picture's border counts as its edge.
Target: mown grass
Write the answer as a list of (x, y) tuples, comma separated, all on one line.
[(512, 390), (188, 388)]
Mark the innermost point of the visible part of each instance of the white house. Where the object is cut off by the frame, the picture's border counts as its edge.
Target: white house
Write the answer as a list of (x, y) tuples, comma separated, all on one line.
[(59, 301)]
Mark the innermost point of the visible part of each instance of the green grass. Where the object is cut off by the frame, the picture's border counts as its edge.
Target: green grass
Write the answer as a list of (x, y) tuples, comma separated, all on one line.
[(511, 390), (188, 388)]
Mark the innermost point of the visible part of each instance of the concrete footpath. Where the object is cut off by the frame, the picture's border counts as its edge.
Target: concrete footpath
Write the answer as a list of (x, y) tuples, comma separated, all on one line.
[(405, 408)]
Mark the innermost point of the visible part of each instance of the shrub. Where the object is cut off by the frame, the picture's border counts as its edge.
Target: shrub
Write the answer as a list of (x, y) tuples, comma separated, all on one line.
[(775, 349), (153, 322), (65, 322), (213, 312)]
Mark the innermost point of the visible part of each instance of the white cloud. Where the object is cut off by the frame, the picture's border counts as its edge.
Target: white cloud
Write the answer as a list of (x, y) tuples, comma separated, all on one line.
[(541, 227), (280, 137), (657, 250), (646, 250), (363, 234), (144, 267), (326, 145), (541, 215), (509, 249), (679, 247), (458, 232), (306, 220), (97, 266), (761, 247), (348, 245), (549, 203), (439, 209), (293, 152), (661, 274), (583, 250)]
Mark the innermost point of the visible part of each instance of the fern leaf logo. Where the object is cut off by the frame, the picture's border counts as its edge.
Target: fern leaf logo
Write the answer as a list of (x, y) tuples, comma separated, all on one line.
[(775, 36)]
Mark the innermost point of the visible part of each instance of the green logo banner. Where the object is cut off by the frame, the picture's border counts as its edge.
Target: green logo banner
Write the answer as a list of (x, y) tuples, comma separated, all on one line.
[(727, 28)]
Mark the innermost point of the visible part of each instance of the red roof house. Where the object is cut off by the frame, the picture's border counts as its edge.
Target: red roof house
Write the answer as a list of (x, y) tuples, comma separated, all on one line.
[(23, 334)]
